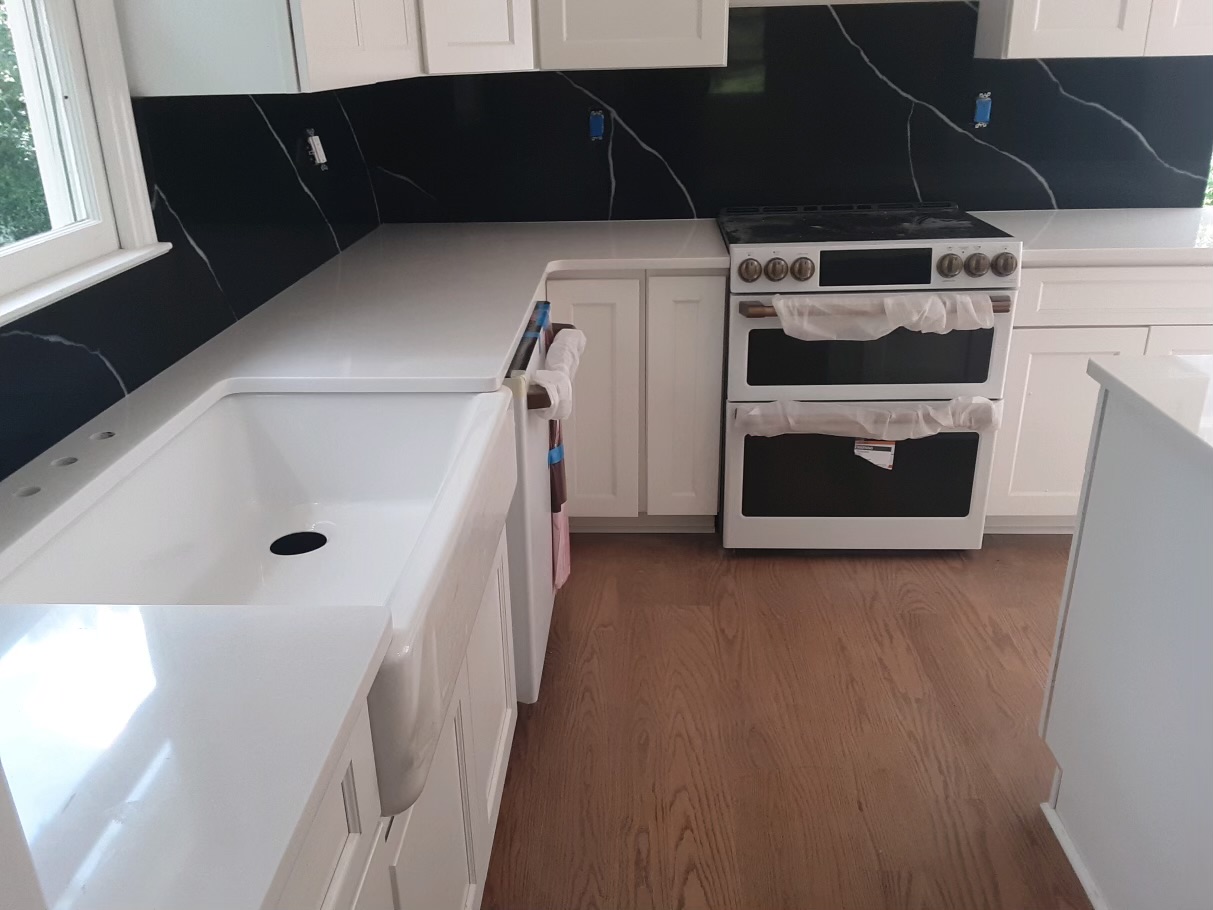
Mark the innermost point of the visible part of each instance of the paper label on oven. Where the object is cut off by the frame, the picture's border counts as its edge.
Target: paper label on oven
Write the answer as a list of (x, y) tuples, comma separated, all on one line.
[(878, 451)]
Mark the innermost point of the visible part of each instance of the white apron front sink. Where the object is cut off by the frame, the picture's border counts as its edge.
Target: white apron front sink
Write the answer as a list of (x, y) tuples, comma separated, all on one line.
[(393, 499)]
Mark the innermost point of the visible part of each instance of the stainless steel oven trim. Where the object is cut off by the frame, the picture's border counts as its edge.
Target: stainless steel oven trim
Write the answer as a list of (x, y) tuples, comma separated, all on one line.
[(886, 533), (740, 390)]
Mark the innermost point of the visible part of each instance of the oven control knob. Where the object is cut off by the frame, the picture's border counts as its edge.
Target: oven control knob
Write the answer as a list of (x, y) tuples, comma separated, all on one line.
[(949, 265), (977, 264), (749, 270), (803, 268), (1004, 264), (777, 269)]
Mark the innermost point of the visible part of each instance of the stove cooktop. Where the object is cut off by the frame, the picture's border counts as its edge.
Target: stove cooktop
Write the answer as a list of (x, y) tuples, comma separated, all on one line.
[(852, 223)]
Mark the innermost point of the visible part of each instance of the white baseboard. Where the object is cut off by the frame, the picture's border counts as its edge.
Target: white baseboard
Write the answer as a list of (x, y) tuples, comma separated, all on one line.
[(1030, 524), (646, 524), (1072, 854)]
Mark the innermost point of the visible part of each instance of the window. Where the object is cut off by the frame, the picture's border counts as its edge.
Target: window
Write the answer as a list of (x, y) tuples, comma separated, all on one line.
[(73, 205)]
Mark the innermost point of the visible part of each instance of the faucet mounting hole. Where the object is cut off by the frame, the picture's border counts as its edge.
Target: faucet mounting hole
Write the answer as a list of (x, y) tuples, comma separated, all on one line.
[(27, 491), (104, 434), (297, 543), (64, 461)]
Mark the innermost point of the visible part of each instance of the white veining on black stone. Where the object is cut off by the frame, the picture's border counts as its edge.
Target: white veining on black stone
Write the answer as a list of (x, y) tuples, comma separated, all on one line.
[(616, 119), (362, 155), (59, 339), (158, 194), (910, 148), (611, 170), (1122, 121), (298, 176), (936, 111), (409, 180)]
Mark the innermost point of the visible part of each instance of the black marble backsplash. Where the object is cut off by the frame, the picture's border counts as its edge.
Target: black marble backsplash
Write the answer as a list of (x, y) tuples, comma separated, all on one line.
[(248, 214), (817, 105)]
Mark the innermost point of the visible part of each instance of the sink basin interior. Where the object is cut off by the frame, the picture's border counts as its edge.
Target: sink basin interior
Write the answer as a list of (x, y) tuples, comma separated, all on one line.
[(263, 499)]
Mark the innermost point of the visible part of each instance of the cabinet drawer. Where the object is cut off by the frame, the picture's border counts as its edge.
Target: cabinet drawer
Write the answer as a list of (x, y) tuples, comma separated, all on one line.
[(328, 868), (1155, 295)]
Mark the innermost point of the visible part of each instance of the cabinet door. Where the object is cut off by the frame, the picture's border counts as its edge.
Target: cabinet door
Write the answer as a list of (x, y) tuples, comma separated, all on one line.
[(477, 36), (1181, 339), (602, 438), (375, 891), (433, 870), (492, 709), (1041, 450), (1179, 27), (1062, 28), (684, 393), (357, 42), (592, 34)]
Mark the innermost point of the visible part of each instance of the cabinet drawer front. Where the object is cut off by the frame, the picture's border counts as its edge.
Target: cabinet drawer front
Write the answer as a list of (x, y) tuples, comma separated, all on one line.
[(328, 868), (1183, 340), (1116, 296)]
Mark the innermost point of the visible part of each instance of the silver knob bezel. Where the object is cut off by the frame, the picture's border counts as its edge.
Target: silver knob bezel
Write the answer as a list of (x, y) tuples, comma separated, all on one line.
[(1004, 255), (744, 264), (802, 268), (949, 257), (977, 265), (776, 269)]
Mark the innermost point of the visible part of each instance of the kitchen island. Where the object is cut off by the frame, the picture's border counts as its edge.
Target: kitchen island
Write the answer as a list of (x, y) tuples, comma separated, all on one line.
[(1129, 709)]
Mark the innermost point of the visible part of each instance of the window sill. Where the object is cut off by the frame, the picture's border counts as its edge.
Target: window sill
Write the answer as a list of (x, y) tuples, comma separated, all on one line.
[(25, 301)]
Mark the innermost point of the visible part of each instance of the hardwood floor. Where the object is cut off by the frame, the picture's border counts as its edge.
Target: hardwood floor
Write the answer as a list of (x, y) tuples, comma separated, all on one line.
[(779, 730)]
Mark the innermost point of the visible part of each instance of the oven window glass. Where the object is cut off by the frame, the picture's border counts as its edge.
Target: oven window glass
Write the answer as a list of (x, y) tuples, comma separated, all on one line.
[(874, 268), (809, 475), (903, 356)]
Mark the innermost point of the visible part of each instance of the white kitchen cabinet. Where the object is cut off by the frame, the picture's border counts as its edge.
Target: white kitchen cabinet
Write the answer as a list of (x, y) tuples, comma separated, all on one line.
[(477, 36), (433, 869), (1041, 449), (1181, 339), (1093, 28), (684, 391), (1115, 295), (602, 438), (222, 47), (1179, 28), (328, 870), (492, 709), (375, 890), (622, 34)]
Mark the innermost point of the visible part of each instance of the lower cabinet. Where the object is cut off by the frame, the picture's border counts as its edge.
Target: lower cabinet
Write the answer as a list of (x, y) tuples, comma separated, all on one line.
[(1049, 405), (1184, 340), (644, 437), (435, 855)]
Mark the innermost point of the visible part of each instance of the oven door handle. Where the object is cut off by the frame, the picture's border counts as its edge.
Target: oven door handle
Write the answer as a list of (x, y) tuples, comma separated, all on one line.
[(756, 309)]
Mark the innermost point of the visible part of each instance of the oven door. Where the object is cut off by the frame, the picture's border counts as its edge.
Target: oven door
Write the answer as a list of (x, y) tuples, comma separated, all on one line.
[(767, 364), (812, 491)]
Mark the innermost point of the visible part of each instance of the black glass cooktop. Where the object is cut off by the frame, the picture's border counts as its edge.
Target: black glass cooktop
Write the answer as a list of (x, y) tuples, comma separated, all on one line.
[(832, 223)]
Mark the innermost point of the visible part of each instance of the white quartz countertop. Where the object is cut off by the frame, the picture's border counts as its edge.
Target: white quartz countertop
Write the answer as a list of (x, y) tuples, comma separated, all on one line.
[(170, 758), (1111, 237), (1179, 388)]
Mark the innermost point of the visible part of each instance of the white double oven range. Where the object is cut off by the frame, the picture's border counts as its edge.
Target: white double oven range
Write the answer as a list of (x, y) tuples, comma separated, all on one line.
[(867, 348)]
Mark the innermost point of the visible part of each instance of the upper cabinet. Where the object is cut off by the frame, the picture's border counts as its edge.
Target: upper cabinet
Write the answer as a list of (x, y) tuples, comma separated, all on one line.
[(622, 34), (229, 47), (1093, 28), (478, 36)]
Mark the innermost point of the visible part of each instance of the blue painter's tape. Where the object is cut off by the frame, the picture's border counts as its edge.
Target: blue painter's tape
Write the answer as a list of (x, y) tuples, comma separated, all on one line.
[(597, 125), (530, 334), (545, 314), (982, 113), (556, 455)]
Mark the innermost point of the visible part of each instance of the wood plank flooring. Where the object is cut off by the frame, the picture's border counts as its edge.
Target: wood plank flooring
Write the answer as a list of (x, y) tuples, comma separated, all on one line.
[(779, 730)]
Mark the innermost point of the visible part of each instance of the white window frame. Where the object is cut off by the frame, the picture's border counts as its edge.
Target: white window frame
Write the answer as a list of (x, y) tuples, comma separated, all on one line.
[(47, 267)]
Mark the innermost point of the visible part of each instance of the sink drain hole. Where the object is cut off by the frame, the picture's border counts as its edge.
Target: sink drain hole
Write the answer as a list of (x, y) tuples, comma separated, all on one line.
[(298, 542)]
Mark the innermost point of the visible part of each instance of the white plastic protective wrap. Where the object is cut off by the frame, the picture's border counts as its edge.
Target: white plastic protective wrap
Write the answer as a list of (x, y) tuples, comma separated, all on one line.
[(556, 378), (893, 422), (860, 317)]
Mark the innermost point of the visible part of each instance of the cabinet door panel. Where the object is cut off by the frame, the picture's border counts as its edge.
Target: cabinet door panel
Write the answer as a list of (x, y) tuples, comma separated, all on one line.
[(357, 42), (1041, 450), (1180, 27), (1185, 340), (1137, 295), (492, 709), (685, 355), (601, 439), (477, 36), (1070, 28), (591, 34), (433, 870)]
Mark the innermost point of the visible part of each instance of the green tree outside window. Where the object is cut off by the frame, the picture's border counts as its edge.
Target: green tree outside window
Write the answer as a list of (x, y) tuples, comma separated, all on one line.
[(23, 210)]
